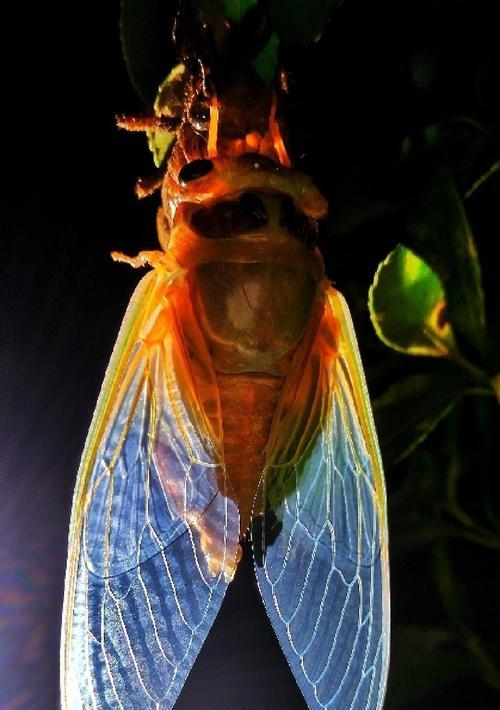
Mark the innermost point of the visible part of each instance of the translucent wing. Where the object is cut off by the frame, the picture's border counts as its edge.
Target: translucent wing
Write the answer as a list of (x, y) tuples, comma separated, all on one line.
[(153, 535), (320, 541)]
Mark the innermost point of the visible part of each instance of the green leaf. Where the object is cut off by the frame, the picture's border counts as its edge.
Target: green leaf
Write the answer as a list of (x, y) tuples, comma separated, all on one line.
[(301, 23), (218, 11), (236, 9), (453, 599), (266, 62), (495, 384), (439, 232), (423, 659), (411, 408), (407, 306), (145, 27), (160, 143), (169, 102)]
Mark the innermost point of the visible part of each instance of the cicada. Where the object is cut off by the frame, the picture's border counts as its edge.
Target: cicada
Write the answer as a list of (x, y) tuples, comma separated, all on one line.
[(234, 405)]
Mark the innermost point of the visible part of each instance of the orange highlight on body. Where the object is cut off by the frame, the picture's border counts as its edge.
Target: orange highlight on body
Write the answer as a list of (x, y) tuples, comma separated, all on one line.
[(275, 131), (213, 128)]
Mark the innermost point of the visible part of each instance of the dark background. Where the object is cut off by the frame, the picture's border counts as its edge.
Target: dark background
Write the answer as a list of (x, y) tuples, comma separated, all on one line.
[(67, 201)]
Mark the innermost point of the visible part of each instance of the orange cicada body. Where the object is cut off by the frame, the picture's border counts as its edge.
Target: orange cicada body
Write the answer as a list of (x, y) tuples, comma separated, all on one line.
[(234, 401)]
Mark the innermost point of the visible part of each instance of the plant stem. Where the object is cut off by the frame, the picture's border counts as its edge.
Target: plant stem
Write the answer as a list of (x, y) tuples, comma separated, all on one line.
[(493, 169)]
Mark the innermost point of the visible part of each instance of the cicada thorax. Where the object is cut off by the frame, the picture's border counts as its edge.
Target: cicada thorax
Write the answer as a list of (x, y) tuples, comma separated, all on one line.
[(242, 223)]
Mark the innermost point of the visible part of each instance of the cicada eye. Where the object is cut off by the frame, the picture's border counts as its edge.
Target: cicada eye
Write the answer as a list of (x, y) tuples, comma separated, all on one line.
[(194, 170)]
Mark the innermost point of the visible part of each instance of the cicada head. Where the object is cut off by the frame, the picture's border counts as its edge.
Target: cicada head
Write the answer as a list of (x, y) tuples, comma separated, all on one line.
[(230, 139)]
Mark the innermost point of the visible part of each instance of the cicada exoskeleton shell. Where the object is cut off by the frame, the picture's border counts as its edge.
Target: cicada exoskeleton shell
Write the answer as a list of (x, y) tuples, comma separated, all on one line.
[(234, 402)]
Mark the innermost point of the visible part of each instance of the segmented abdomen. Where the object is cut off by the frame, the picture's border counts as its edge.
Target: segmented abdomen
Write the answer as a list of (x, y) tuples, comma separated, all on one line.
[(248, 403)]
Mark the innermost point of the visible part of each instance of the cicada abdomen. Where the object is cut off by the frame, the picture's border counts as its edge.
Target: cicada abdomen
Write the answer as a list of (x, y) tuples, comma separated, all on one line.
[(234, 401)]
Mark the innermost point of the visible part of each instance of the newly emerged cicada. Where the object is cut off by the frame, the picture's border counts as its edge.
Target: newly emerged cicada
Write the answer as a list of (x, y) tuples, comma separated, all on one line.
[(234, 404)]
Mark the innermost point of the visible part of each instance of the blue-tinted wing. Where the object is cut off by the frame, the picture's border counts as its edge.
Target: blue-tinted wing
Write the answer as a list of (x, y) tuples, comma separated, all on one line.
[(154, 535), (320, 532)]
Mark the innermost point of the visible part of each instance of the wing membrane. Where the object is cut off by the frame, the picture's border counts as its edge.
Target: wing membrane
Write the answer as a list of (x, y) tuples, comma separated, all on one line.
[(154, 533), (321, 548)]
